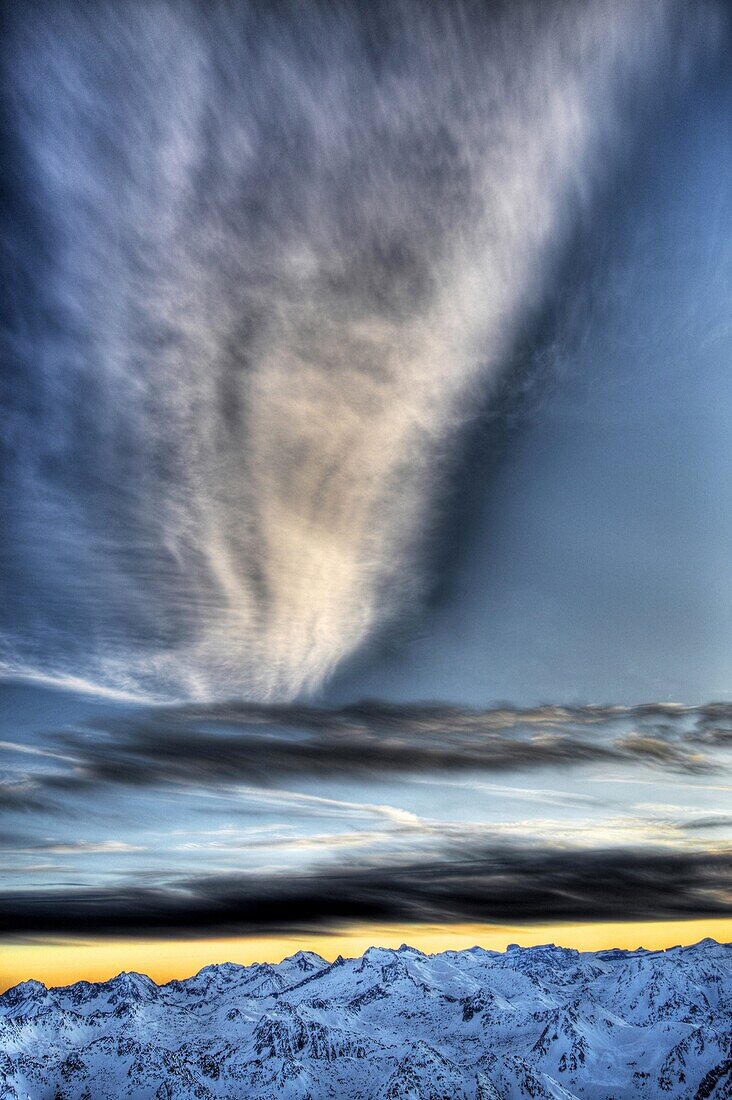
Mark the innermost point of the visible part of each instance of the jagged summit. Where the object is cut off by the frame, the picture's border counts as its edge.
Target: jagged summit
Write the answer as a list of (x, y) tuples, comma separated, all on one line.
[(223, 968), (547, 1022), (305, 960), (25, 992), (130, 979)]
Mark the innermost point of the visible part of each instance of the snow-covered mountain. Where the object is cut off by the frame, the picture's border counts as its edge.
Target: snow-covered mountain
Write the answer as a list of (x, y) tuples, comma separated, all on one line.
[(541, 1022)]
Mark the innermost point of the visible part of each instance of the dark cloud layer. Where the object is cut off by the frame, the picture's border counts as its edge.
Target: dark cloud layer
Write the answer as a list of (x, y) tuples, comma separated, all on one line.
[(240, 742), (460, 885), (192, 749), (18, 797)]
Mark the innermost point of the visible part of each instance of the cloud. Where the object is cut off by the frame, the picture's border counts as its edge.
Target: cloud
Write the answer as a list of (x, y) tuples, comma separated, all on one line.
[(462, 884), (263, 265), (15, 846), (23, 795), (235, 746), (230, 744), (305, 805), (707, 821)]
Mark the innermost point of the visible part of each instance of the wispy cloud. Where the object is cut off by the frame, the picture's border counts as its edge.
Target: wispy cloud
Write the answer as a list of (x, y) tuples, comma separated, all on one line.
[(50, 846), (262, 262), (23, 794), (707, 821)]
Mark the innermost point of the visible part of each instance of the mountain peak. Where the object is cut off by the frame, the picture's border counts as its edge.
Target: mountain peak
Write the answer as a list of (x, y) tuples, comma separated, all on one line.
[(542, 1021), (24, 990)]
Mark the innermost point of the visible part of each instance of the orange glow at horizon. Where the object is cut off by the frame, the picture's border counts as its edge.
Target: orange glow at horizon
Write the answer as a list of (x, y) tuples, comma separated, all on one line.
[(62, 962)]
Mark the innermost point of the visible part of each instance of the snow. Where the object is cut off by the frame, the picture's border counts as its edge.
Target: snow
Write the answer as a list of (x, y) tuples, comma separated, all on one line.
[(543, 1022)]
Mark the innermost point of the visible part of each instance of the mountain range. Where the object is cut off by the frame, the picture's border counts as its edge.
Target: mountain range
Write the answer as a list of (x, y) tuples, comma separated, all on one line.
[(549, 1023)]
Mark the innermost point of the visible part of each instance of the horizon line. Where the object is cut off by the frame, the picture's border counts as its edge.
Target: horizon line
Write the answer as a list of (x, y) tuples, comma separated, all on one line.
[(65, 962)]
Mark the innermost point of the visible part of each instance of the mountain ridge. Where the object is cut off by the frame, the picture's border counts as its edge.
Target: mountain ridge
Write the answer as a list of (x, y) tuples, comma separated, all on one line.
[(546, 1022)]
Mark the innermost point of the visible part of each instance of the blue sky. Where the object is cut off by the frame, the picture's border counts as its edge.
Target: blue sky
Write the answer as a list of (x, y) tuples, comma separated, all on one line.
[(594, 564), (335, 371)]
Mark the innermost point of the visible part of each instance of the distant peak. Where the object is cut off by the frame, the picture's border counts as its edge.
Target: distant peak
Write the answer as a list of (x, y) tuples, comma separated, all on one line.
[(226, 968), (537, 948), (305, 956), (377, 952), (131, 977), (26, 989)]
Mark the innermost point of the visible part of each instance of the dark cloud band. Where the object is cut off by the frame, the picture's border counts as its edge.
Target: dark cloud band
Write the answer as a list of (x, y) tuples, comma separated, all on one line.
[(479, 885), (239, 742)]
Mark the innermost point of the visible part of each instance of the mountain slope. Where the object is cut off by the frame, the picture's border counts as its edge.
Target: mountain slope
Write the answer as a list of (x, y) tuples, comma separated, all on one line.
[(542, 1022)]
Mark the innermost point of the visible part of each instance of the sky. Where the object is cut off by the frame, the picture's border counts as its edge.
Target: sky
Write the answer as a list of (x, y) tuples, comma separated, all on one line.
[(365, 479)]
